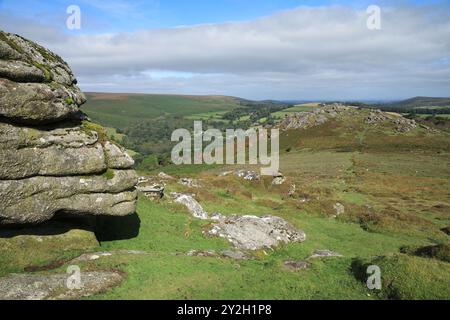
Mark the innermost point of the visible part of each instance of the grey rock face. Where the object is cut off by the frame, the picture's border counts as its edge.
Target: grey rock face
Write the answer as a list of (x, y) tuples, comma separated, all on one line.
[(321, 115), (21, 71), (51, 160), (54, 286), (254, 233), (402, 124), (324, 254), (296, 265), (37, 199), (248, 175), (232, 254), (191, 183), (152, 191), (36, 86), (339, 208), (36, 102), (191, 204), (278, 179), (116, 156)]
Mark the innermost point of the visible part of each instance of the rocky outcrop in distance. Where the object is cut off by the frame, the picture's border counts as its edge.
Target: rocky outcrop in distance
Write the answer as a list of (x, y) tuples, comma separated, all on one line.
[(52, 158), (325, 113)]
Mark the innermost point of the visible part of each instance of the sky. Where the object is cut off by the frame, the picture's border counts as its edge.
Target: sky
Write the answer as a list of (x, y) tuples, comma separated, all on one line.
[(255, 49)]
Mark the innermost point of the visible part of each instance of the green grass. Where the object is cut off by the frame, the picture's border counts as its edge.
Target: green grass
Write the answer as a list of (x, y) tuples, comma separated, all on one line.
[(410, 278), (21, 252), (114, 135), (168, 232), (326, 177)]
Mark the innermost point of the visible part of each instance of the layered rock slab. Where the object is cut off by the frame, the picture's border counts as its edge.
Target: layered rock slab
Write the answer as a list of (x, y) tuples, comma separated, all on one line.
[(254, 233), (52, 159), (54, 286)]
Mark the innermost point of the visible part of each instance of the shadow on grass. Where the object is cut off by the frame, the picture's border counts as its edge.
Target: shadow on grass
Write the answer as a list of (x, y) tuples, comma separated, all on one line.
[(106, 228)]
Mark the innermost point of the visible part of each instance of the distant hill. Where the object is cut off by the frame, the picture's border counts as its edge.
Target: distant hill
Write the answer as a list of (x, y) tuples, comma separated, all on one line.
[(420, 103), (120, 110)]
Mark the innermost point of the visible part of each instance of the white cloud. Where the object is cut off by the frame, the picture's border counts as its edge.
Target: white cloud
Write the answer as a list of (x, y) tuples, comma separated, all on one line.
[(324, 52)]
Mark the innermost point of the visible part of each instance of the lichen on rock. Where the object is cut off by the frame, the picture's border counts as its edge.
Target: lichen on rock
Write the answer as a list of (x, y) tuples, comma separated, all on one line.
[(52, 159)]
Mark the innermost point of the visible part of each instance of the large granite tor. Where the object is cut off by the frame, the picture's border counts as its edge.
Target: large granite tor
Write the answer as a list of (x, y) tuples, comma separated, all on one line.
[(51, 160)]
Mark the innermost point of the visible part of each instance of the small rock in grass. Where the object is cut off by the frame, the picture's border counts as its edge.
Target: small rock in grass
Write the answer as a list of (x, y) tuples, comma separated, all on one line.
[(191, 204), (54, 286), (254, 233), (339, 208), (324, 254), (296, 265)]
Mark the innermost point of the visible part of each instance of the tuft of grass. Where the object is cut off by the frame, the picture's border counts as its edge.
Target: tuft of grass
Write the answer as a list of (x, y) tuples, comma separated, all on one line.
[(108, 174), (69, 101), (10, 42), (88, 127), (407, 277), (439, 251)]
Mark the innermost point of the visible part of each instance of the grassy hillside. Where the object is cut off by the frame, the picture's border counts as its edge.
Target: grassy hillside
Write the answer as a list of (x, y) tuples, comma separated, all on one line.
[(123, 110), (394, 188), (421, 102)]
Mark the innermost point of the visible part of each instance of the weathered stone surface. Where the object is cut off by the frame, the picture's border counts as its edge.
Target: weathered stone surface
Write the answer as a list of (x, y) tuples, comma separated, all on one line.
[(254, 233), (54, 286), (36, 86), (21, 71), (52, 159), (65, 135), (324, 254), (236, 254), (188, 182), (98, 255), (165, 176), (248, 175), (278, 179), (402, 124), (37, 102), (191, 204), (14, 47), (37, 199), (153, 191), (232, 254), (116, 157), (339, 208), (296, 265), (305, 120)]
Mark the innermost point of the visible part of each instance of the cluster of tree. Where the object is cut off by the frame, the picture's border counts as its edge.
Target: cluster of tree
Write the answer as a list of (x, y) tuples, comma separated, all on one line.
[(255, 112), (151, 138)]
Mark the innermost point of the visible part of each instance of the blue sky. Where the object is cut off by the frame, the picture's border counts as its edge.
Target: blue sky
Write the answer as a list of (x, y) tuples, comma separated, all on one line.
[(284, 49), (131, 15)]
